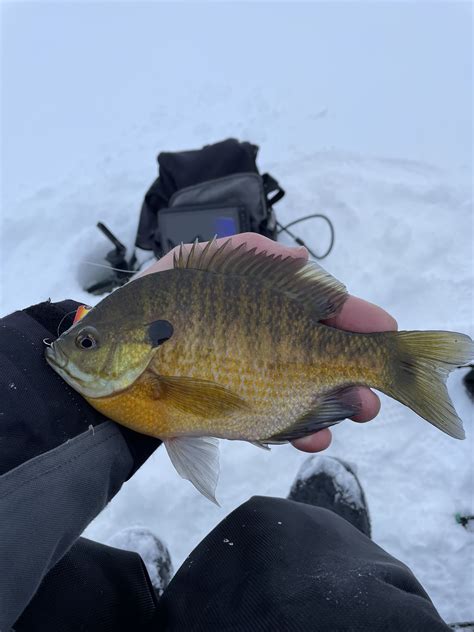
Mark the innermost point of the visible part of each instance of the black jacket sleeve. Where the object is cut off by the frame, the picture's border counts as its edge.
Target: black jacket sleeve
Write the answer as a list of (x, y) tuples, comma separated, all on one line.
[(60, 460)]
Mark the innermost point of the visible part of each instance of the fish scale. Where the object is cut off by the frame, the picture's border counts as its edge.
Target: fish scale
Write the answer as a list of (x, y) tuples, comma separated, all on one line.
[(279, 372)]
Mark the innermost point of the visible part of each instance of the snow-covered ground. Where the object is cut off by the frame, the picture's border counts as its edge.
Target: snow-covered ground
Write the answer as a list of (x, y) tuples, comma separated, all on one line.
[(363, 112)]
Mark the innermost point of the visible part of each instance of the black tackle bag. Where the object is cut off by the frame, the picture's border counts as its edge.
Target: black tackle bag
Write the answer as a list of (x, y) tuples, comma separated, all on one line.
[(216, 190)]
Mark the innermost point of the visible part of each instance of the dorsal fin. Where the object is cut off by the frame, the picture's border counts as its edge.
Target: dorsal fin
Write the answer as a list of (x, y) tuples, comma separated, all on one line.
[(304, 281)]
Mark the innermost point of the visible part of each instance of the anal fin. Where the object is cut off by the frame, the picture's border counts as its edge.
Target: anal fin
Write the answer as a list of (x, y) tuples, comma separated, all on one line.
[(260, 444), (329, 409)]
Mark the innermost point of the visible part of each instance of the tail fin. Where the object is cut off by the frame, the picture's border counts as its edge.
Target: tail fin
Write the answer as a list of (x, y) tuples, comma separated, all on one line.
[(420, 364)]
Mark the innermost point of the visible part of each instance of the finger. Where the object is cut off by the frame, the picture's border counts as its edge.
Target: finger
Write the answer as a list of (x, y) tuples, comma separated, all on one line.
[(318, 441), (314, 443), (369, 405), (362, 316), (252, 240)]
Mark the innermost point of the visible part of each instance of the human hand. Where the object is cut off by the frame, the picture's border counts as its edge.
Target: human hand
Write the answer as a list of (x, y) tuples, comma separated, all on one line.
[(355, 315), (364, 317)]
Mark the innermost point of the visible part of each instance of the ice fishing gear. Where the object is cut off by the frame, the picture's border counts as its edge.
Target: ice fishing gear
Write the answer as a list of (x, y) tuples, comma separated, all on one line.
[(120, 266), (200, 194), (214, 191)]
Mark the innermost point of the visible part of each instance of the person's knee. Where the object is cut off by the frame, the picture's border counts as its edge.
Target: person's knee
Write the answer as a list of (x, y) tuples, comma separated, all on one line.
[(269, 507), (264, 512)]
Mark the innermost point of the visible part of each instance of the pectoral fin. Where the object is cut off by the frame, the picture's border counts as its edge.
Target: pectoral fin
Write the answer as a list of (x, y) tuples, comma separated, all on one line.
[(195, 396), (197, 460)]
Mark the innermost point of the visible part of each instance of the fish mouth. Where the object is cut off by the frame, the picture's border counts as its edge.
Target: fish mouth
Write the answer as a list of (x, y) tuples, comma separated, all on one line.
[(87, 385), (55, 356), (58, 361)]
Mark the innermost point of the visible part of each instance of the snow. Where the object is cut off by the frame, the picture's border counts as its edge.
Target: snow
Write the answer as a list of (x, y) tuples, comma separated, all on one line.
[(363, 112), (150, 548)]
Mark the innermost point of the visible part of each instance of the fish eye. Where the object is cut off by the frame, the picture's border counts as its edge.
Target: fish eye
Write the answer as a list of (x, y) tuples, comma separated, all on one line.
[(87, 339)]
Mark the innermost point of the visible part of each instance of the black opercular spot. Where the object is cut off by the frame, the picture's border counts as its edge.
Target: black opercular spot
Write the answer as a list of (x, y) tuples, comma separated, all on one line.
[(159, 332)]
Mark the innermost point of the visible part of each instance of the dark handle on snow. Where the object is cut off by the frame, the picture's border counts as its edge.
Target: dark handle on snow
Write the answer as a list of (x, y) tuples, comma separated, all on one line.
[(118, 244)]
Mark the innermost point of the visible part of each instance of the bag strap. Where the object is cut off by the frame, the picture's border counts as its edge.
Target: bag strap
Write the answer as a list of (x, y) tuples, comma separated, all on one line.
[(269, 186)]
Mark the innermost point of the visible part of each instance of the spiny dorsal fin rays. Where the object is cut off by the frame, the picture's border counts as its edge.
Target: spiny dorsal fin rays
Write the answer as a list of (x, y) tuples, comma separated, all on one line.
[(178, 257), (305, 282), (205, 251), (233, 259), (208, 253), (207, 261), (196, 258), (190, 255)]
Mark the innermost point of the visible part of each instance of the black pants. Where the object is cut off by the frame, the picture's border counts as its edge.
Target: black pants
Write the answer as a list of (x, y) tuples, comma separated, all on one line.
[(272, 564)]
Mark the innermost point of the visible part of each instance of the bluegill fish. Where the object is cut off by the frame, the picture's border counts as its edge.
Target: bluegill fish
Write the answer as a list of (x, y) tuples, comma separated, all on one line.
[(230, 344)]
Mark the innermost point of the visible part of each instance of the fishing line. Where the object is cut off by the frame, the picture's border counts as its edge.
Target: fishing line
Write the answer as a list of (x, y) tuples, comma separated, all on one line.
[(102, 265), (299, 241), (62, 320)]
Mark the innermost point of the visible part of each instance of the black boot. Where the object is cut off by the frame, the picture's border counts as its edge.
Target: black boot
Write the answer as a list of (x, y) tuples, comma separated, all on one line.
[(331, 483), (151, 549)]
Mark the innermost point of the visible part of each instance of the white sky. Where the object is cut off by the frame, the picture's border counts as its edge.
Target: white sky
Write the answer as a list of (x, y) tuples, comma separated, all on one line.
[(390, 79)]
